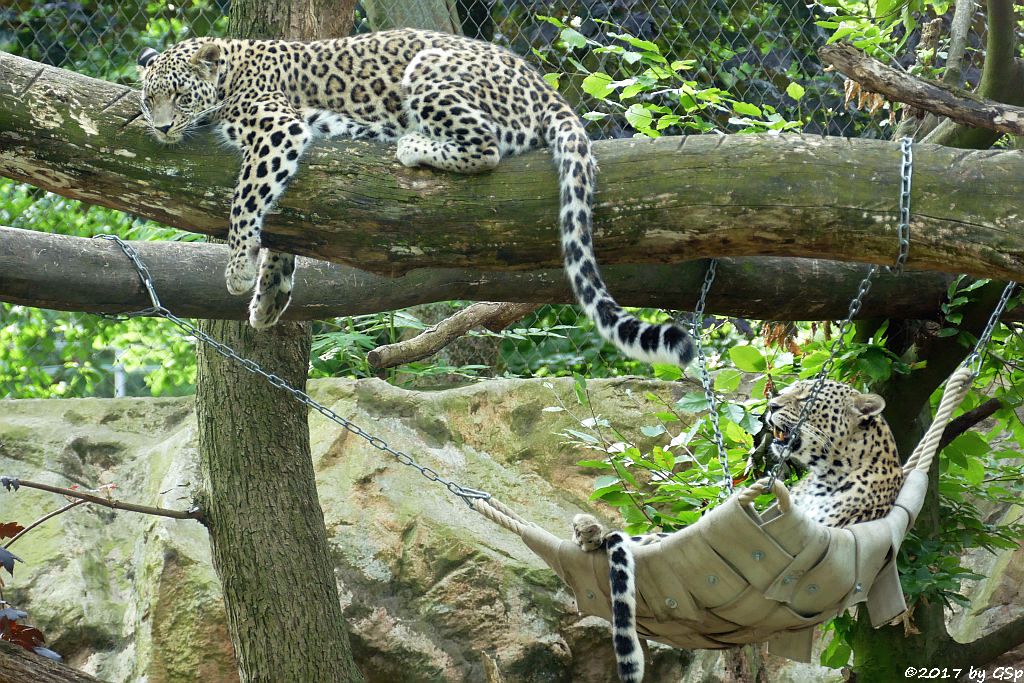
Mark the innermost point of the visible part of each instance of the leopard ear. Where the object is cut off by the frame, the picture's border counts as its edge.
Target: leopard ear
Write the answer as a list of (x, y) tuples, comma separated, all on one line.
[(146, 58), (867, 405), (207, 58)]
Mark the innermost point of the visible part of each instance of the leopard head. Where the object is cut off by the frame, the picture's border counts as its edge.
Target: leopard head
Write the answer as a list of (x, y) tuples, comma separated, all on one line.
[(179, 86), (841, 420)]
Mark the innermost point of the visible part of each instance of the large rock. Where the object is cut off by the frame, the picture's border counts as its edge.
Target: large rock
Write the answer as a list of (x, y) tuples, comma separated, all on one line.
[(432, 591)]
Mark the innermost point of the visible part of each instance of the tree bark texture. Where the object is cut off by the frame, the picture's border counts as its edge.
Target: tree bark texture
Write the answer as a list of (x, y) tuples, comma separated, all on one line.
[(435, 15), (305, 20), (260, 501), (77, 274), (18, 665), (269, 541), (659, 201)]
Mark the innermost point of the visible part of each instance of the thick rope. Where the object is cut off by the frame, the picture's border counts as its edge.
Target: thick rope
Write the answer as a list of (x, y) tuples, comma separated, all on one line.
[(499, 514), (957, 386)]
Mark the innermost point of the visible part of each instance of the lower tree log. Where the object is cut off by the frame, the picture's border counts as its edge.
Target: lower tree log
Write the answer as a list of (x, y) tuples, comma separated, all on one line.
[(77, 274), (659, 201)]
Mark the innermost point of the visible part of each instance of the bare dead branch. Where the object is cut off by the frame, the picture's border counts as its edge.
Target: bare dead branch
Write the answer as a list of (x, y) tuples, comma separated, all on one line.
[(494, 316), (14, 483), (958, 105)]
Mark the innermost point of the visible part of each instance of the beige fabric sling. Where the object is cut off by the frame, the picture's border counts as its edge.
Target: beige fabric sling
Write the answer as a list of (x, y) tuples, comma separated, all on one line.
[(738, 576)]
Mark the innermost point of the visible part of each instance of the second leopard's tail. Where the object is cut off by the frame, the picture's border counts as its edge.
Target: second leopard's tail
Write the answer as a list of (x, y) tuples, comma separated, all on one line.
[(577, 172), (629, 657)]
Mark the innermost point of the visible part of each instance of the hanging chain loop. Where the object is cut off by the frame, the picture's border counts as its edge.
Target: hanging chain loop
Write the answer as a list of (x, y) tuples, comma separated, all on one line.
[(705, 377), (466, 493)]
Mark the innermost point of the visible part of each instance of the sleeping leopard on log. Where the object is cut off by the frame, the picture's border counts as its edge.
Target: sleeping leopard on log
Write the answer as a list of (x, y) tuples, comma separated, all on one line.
[(450, 102), (854, 475)]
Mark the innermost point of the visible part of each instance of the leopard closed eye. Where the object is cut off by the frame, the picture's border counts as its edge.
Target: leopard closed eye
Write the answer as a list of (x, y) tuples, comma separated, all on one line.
[(452, 103)]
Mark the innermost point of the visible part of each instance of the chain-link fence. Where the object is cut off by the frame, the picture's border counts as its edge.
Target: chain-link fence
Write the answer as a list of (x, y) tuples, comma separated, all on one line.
[(751, 53)]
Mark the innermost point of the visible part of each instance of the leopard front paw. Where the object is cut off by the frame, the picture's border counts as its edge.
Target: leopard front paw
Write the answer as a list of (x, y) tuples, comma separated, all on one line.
[(410, 149), (240, 275), (587, 532)]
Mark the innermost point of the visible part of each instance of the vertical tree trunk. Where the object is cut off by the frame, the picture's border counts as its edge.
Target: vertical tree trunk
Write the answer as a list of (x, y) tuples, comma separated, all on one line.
[(259, 491), (436, 15)]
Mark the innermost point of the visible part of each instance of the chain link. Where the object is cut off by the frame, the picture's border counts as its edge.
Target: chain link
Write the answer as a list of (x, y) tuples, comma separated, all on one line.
[(705, 377), (973, 360), (466, 493)]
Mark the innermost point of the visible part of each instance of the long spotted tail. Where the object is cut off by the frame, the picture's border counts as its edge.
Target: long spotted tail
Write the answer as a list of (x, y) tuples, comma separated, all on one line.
[(577, 170), (622, 577)]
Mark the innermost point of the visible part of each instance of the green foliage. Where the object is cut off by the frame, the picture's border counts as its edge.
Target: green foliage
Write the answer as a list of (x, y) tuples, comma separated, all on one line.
[(53, 353), (655, 95)]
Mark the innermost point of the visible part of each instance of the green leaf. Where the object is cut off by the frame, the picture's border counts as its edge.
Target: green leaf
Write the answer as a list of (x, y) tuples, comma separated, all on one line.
[(597, 84), (837, 653), (552, 79), (875, 364), (795, 91), (692, 403), (573, 38), (652, 430), (639, 117), (747, 358), (728, 380), (638, 43), (667, 373), (663, 458), (746, 109)]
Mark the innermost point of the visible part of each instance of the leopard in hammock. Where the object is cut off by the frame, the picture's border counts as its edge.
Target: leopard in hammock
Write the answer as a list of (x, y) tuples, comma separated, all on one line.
[(450, 102), (854, 476)]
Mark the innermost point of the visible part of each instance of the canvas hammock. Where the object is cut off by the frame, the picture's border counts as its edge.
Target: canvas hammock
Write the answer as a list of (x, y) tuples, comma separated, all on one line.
[(738, 576)]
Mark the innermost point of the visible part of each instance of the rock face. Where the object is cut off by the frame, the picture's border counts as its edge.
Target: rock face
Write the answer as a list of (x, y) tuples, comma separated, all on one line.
[(431, 590)]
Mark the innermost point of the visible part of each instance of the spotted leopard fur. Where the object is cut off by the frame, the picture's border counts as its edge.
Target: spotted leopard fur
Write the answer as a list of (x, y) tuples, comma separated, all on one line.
[(450, 102), (854, 476)]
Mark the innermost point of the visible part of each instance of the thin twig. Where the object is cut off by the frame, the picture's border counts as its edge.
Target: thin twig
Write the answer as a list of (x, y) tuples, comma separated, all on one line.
[(114, 504), (33, 525)]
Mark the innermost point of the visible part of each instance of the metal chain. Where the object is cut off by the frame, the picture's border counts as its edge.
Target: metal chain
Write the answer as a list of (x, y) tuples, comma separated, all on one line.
[(973, 360), (157, 309), (705, 378), (903, 235), (903, 229)]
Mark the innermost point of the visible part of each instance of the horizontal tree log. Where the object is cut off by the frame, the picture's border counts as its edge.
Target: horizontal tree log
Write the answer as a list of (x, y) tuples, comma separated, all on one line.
[(659, 201), (959, 105), (78, 274)]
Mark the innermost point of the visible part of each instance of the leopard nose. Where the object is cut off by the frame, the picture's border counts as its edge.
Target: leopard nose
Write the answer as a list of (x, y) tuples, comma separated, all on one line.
[(163, 129)]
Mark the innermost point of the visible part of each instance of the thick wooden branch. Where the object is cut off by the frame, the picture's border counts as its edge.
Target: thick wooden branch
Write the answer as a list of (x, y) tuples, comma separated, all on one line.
[(77, 274), (659, 201), (957, 104), (493, 315), (18, 664)]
